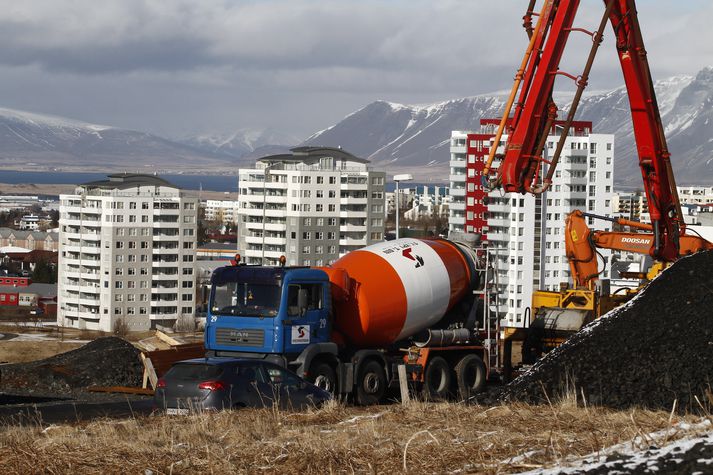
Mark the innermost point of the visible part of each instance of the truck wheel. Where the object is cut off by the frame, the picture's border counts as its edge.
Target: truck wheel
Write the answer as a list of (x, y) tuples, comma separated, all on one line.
[(323, 376), (371, 383), (437, 379), (470, 376)]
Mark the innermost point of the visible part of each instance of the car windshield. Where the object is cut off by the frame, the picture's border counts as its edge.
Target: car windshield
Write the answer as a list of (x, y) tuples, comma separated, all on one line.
[(246, 299), (194, 371)]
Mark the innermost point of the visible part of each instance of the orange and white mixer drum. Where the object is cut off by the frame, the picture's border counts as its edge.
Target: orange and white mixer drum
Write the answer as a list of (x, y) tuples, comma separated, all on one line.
[(390, 291)]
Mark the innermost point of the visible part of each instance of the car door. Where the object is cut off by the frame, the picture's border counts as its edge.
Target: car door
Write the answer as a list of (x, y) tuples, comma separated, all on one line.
[(291, 389), (250, 387)]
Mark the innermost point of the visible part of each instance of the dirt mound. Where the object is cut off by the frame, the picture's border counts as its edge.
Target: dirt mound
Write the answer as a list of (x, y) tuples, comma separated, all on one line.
[(104, 362), (656, 349)]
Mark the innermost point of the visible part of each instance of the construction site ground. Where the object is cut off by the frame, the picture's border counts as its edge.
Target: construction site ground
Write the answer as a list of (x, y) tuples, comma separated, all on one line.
[(563, 437)]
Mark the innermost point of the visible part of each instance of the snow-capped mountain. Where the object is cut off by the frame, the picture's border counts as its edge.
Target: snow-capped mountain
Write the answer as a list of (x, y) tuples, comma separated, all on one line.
[(399, 137), (240, 143), (29, 139)]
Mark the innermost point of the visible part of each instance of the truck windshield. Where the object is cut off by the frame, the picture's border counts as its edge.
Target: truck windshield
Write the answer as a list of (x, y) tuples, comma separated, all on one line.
[(246, 299)]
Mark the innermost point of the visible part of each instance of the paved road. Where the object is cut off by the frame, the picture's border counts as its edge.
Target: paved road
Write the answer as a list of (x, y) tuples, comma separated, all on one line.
[(16, 409)]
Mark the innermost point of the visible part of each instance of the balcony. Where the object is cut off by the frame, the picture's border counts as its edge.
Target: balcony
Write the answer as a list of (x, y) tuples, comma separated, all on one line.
[(353, 201), (354, 214), (456, 206), (165, 237), (500, 222), (458, 178), (349, 241), (457, 191), (353, 228)]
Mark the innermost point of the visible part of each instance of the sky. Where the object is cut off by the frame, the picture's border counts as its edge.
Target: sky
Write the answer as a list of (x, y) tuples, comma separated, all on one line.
[(179, 68)]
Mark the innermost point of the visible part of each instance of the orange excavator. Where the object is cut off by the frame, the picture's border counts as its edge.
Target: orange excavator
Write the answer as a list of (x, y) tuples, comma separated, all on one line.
[(524, 167), (581, 244)]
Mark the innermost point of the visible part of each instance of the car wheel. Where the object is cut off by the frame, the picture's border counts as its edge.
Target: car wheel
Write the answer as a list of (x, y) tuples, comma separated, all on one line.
[(323, 376), (371, 383)]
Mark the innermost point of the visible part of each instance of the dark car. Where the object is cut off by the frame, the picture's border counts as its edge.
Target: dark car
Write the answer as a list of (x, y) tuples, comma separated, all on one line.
[(230, 383)]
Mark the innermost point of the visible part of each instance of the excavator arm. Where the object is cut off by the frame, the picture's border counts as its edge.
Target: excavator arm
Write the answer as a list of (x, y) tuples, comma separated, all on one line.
[(524, 168), (581, 244)]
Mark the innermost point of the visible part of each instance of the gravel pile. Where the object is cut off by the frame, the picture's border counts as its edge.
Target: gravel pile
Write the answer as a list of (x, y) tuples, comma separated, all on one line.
[(104, 362), (656, 349)]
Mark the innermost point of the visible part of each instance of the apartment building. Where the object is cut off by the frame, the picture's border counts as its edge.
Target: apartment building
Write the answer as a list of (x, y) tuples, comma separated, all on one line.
[(631, 206), (526, 232), (127, 251), (311, 206), (696, 195), (224, 211)]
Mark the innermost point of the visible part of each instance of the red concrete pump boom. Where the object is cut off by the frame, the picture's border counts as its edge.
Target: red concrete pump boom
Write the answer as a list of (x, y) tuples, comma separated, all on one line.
[(523, 164)]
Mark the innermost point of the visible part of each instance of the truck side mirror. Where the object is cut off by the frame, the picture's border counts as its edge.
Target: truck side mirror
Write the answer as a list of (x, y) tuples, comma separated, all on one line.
[(302, 298)]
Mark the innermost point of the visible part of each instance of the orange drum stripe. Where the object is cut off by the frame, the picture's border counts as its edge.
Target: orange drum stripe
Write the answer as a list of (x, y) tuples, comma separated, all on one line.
[(375, 311)]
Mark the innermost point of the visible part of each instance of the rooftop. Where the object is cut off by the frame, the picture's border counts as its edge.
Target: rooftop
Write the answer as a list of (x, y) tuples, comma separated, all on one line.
[(300, 154), (122, 181)]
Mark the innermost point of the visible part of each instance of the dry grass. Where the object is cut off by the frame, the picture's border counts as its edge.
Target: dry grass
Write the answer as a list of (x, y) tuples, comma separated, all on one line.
[(24, 351), (418, 438)]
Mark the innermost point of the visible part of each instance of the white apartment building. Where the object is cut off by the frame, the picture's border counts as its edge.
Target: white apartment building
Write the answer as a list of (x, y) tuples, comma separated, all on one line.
[(430, 202), (525, 231), (224, 211), (695, 195), (311, 206), (127, 251)]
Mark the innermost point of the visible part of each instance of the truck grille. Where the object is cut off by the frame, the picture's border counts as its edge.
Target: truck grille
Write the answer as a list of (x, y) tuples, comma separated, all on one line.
[(239, 337)]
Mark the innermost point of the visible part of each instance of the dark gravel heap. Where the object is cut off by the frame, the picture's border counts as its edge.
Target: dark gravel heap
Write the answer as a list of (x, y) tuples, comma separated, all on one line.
[(654, 350), (104, 362)]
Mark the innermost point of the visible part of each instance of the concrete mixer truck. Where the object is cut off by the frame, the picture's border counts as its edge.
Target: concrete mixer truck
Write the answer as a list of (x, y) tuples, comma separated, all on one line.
[(348, 327)]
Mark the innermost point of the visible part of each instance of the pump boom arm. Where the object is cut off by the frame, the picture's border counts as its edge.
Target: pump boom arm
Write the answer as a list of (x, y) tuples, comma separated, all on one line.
[(523, 163)]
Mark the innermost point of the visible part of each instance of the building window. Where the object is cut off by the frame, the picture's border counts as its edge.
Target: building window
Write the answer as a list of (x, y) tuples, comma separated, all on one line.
[(119, 298), (306, 235), (187, 258), (120, 244), (118, 284), (144, 205), (305, 249)]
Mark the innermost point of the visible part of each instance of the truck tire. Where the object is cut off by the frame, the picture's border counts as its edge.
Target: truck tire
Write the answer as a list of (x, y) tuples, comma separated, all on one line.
[(323, 376), (470, 376), (371, 383), (437, 380)]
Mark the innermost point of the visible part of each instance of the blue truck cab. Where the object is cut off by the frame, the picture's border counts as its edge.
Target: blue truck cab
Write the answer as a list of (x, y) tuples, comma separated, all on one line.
[(273, 313)]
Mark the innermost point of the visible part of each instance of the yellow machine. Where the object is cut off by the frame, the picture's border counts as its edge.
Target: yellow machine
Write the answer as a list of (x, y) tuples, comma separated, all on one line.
[(556, 315)]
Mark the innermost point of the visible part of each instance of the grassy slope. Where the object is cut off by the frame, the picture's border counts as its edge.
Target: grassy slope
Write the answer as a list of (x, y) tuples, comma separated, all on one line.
[(420, 438)]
